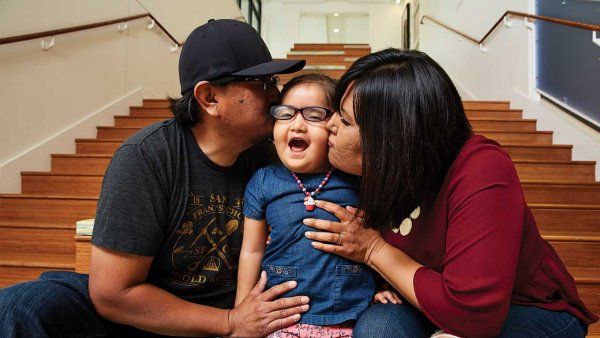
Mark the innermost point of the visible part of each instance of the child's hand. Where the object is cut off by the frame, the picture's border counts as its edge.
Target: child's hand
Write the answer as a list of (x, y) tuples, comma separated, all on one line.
[(385, 296)]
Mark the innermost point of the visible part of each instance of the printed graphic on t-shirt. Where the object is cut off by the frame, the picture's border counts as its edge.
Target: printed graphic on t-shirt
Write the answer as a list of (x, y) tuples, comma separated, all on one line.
[(206, 250)]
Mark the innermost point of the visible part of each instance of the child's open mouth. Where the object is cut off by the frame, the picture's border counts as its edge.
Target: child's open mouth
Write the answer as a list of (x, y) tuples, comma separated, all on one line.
[(297, 145)]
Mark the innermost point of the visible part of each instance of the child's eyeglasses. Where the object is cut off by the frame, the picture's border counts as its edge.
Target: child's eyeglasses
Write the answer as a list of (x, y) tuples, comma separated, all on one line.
[(312, 114), (267, 81)]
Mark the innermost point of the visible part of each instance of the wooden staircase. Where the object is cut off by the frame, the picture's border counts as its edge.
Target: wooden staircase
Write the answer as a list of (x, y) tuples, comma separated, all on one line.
[(37, 227)]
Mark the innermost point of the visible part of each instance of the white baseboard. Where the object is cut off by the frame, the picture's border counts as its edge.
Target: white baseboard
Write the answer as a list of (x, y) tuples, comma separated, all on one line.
[(464, 93), (37, 157)]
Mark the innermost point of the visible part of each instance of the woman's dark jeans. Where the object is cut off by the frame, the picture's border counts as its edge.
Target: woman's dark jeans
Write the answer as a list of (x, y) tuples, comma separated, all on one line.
[(391, 321)]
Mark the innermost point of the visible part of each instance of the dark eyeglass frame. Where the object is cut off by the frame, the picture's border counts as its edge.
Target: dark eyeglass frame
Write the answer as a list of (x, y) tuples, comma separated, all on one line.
[(267, 81), (328, 113)]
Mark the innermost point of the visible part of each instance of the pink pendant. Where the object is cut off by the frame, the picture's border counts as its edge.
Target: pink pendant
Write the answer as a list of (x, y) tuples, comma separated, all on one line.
[(309, 204)]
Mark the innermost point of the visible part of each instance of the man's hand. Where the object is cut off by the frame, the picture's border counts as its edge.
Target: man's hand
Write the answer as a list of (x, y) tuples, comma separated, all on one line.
[(262, 313)]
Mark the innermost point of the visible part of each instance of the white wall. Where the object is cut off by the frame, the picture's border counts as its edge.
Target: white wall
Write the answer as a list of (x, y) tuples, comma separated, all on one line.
[(505, 71), (45, 93), (281, 21)]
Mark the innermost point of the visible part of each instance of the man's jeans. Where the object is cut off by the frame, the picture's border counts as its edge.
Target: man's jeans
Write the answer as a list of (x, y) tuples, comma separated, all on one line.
[(391, 321), (56, 305)]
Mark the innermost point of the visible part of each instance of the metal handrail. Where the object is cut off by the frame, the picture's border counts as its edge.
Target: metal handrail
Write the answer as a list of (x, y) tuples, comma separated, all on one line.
[(506, 14), (54, 32)]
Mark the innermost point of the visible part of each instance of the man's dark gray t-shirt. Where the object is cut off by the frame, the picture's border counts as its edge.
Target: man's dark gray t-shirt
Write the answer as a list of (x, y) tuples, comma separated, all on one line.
[(192, 229)]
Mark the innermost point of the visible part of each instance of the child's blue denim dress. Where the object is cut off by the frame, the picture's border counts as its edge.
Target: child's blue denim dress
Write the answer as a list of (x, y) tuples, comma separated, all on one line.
[(339, 289)]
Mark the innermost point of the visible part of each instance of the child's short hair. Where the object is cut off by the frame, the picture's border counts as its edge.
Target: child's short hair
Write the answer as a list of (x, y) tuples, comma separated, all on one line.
[(325, 82)]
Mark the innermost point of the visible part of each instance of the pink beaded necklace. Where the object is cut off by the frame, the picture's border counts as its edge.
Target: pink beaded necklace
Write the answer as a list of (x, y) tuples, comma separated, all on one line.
[(309, 202)]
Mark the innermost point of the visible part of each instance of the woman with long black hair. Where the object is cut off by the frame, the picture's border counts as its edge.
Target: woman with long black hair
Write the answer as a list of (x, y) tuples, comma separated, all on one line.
[(442, 216)]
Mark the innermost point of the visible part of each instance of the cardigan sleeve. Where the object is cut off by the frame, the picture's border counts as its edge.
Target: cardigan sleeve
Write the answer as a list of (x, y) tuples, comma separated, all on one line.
[(470, 296)]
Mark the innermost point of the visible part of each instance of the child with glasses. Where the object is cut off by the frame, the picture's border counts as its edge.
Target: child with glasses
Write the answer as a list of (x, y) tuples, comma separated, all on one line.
[(281, 196)]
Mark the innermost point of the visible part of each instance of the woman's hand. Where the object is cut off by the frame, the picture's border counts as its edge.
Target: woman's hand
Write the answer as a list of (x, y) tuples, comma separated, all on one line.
[(347, 238), (262, 313)]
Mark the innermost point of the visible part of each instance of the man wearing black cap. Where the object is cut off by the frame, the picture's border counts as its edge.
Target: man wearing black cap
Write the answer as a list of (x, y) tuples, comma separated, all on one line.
[(169, 223)]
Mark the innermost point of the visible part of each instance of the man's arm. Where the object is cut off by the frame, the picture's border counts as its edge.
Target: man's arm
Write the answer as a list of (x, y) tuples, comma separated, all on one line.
[(252, 252), (120, 294)]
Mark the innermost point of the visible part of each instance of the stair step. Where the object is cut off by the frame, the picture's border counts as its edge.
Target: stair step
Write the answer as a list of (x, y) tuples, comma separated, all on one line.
[(538, 152), (155, 103), (97, 146), (43, 209), (115, 133), (567, 171), (541, 192), (347, 52), (84, 249), (581, 253), (31, 240), (320, 59), (332, 46), (468, 104), (335, 74), (482, 113), (136, 122), (471, 114), (48, 224), (150, 112), (486, 105), (503, 124), (95, 164), (516, 151), (506, 120), (588, 287), (548, 169), (60, 184), (575, 219), (22, 267), (529, 137)]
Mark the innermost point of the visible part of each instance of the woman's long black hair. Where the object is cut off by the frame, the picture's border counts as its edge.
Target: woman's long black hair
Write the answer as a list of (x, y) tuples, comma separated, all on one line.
[(412, 127)]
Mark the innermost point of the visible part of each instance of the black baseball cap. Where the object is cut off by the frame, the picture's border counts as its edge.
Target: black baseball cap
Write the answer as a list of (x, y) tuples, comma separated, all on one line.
[(228, 48)]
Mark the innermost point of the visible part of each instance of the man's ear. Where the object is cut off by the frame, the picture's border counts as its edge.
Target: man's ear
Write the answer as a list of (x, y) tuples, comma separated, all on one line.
[(206, 98)]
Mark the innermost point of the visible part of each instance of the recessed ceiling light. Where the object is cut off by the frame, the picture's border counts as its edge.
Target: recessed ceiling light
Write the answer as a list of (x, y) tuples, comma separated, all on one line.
[(336, 14), (397, 2), (336, 30)]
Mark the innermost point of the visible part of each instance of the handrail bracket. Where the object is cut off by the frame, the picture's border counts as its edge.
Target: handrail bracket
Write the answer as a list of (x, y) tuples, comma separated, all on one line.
[(47, 45)]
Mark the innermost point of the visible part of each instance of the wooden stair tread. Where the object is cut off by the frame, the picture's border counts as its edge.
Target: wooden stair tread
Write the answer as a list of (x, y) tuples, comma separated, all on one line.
[(513, 132), (553, 162), (586, 275), (568, 236), (490, 110), (542, 182), (484, 101), (82, 155), (562, 206), (8, 223), (45, 260), (35, 196), (51, 173), (567, 146)]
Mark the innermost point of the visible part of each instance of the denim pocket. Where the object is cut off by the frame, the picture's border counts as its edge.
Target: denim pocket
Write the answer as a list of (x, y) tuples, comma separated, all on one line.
[(277, 274), (354, 287)]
